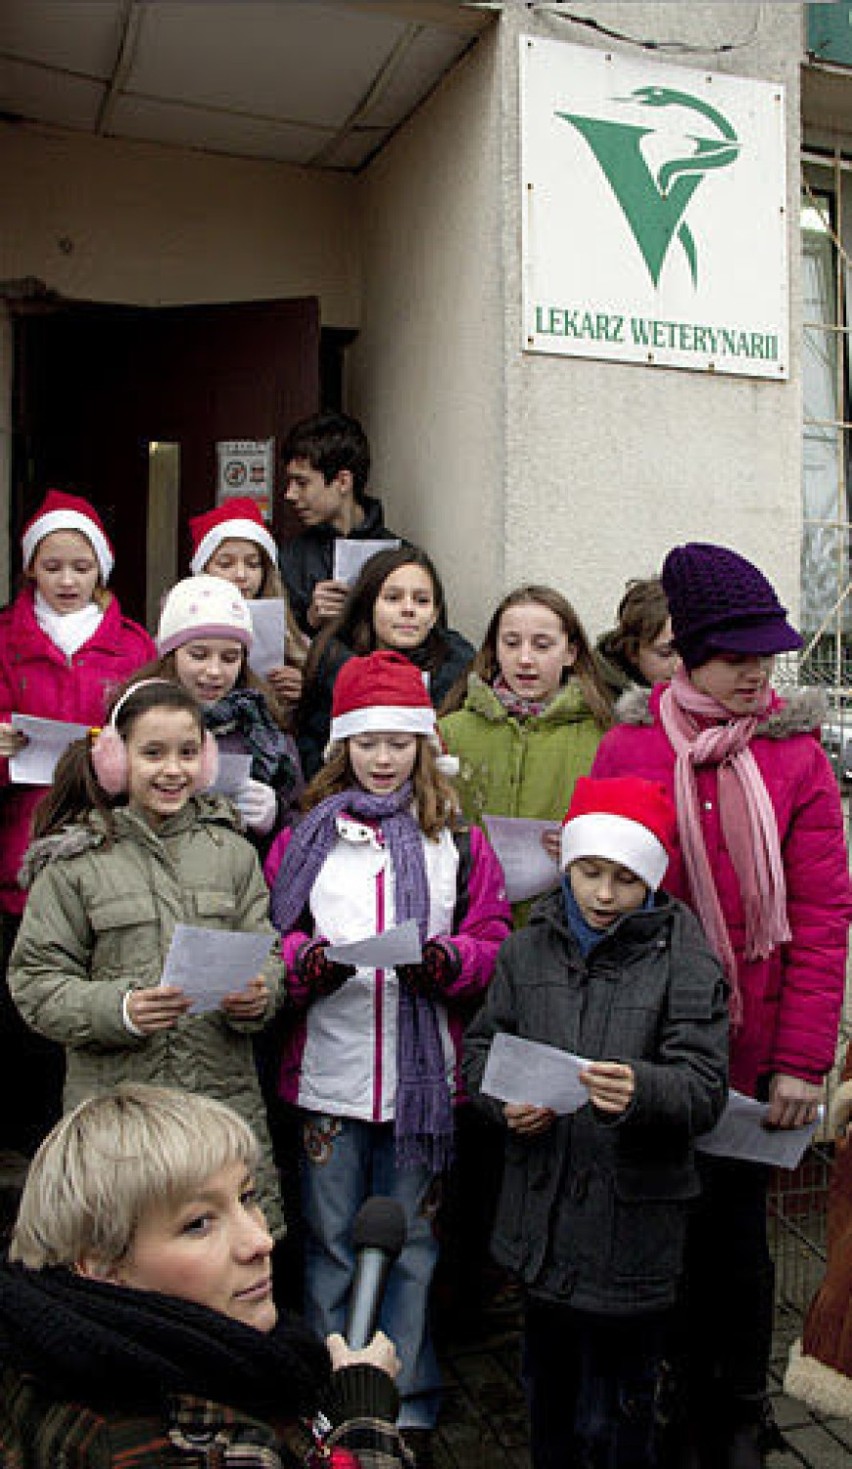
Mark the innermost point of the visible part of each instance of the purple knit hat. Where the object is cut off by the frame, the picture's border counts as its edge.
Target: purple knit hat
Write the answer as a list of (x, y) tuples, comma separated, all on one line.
[(721, 603)]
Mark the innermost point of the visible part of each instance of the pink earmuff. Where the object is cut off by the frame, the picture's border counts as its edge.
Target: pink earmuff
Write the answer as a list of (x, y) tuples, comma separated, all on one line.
[(109, 753), (109, 760)]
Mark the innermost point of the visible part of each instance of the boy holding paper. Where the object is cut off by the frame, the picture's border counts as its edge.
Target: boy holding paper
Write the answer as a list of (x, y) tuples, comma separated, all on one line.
[(593, 1204), (326, 460)]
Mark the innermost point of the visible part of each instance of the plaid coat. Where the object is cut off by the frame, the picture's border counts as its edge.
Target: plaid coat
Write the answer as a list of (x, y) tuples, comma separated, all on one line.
[(40, 1432)]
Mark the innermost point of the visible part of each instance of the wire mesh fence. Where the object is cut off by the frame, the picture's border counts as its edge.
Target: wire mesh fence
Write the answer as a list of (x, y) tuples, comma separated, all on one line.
[(798, 1200)]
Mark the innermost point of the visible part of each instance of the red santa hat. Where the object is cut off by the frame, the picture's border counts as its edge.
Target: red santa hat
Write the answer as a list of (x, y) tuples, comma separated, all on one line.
[(625, 819), (238, 519), (381, 693), (59, 511)]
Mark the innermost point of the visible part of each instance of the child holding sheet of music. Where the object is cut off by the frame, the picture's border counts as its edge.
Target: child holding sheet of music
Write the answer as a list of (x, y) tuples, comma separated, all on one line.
[(373, 1062), (65, 647), (593, 1204)]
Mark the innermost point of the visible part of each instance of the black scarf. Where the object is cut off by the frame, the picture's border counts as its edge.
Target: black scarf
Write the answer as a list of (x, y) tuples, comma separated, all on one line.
[(108, 1346)]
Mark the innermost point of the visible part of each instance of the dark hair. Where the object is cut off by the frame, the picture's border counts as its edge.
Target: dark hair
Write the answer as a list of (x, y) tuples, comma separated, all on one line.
[(165, 667), (642, 614), (75, 792), (354, 627), (585, 669), (331, 442)]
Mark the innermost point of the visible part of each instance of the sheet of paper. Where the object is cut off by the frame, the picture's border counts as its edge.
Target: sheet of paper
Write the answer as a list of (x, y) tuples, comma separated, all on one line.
[(528, 869), (527, 1071), (210, 963), (349, 556), (46, 741), (740, 1133), (269, 624), (400, 945), (234, 770)]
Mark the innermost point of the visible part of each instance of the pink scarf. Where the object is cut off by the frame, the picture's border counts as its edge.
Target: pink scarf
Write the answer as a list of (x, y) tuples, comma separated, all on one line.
[(747, 817)]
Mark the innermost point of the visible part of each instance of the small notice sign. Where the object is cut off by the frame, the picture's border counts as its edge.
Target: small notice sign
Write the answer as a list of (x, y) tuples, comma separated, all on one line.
[(246, 467)]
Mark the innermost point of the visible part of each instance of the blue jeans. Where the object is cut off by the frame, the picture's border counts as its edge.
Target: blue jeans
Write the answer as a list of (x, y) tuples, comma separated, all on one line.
[(591, 1387), (344, 1162)]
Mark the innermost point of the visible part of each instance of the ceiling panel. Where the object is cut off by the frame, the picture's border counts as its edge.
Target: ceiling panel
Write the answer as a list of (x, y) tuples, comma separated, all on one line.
[(431, 53), (49, 96), (82, 37), (318, 83), (306, 62), (197, 127)]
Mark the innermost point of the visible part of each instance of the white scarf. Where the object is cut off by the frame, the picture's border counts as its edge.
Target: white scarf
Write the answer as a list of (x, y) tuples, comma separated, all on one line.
[(68, 630)]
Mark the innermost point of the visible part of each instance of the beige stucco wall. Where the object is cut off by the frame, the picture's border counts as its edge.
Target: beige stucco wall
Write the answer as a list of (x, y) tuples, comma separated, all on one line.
[(135, 223), (426, 372), (507, 466), (609, 464)]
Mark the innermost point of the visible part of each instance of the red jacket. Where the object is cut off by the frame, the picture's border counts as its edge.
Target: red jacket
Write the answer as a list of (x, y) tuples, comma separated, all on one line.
[(792, 999), (36, 677)]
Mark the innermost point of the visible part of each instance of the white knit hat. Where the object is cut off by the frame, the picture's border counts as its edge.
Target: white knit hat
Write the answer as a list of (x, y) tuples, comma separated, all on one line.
[(203, 607)]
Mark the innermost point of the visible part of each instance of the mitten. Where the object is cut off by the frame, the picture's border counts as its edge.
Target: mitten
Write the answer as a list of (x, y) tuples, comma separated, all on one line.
[(257, 805), (438, 967), (321, 975)]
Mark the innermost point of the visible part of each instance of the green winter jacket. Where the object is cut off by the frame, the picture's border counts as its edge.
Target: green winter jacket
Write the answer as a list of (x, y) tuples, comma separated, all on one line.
[(98, 922), (519, 767)]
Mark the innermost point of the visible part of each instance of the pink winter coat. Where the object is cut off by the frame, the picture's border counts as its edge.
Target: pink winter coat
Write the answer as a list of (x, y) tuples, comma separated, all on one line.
[(792, 1000), (37, 678)]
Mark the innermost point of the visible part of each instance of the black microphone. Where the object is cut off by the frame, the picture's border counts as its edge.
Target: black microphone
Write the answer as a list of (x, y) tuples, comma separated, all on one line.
[(378, 1235)]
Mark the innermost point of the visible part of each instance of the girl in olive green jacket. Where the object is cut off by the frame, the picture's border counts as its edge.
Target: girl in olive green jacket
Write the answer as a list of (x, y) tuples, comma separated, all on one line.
[(125, 848), (528, 718)]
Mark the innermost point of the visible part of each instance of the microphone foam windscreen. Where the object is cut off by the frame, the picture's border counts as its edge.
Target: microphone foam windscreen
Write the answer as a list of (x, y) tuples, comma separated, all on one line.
[(380, 1225)]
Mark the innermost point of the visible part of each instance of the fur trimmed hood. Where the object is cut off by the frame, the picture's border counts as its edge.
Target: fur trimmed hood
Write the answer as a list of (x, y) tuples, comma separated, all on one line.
[(94, 831), (822, 1388), (567, 706), (799, 711)]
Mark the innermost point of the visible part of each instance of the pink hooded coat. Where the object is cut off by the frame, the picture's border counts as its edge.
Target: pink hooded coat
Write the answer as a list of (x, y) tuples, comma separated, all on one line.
[(36, 677), (792, 999)]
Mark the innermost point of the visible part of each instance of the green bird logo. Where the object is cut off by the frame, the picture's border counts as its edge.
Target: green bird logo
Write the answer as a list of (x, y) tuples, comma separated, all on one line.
[(654, 205)]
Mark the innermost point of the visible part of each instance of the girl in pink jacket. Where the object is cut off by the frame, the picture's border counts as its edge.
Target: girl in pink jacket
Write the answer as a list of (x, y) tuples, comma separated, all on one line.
[(762, 860), (373, 1058), (64, 648)]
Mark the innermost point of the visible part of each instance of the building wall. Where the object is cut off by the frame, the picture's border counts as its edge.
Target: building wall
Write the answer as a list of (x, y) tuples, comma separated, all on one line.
[(139, 224), (426, 373), (609, 464), (508, 466)]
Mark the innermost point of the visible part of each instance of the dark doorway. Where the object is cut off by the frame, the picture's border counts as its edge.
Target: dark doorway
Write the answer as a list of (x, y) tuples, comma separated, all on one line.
[(95, 385)]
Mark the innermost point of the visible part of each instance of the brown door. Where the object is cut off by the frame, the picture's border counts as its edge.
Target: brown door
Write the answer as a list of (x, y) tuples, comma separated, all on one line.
[(96, 385)]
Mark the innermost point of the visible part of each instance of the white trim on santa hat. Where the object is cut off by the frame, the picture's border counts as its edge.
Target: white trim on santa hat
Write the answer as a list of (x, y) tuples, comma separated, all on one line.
[(232, 530), (618, 839), (69, 520), (384, 719)]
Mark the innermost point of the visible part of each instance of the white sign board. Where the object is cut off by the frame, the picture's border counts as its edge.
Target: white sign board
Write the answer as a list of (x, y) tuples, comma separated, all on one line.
[(654, 216), (246, 467)]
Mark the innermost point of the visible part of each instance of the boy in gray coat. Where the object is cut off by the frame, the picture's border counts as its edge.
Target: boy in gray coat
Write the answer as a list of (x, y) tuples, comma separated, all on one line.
[(593, 1205)]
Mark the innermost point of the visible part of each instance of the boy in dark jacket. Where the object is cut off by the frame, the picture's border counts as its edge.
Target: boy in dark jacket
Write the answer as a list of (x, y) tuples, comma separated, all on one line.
[(593, 1204), (326, 462)]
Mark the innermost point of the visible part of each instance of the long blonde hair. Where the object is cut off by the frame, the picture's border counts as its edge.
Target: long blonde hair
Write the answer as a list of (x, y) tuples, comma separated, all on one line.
[(435, 801)]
